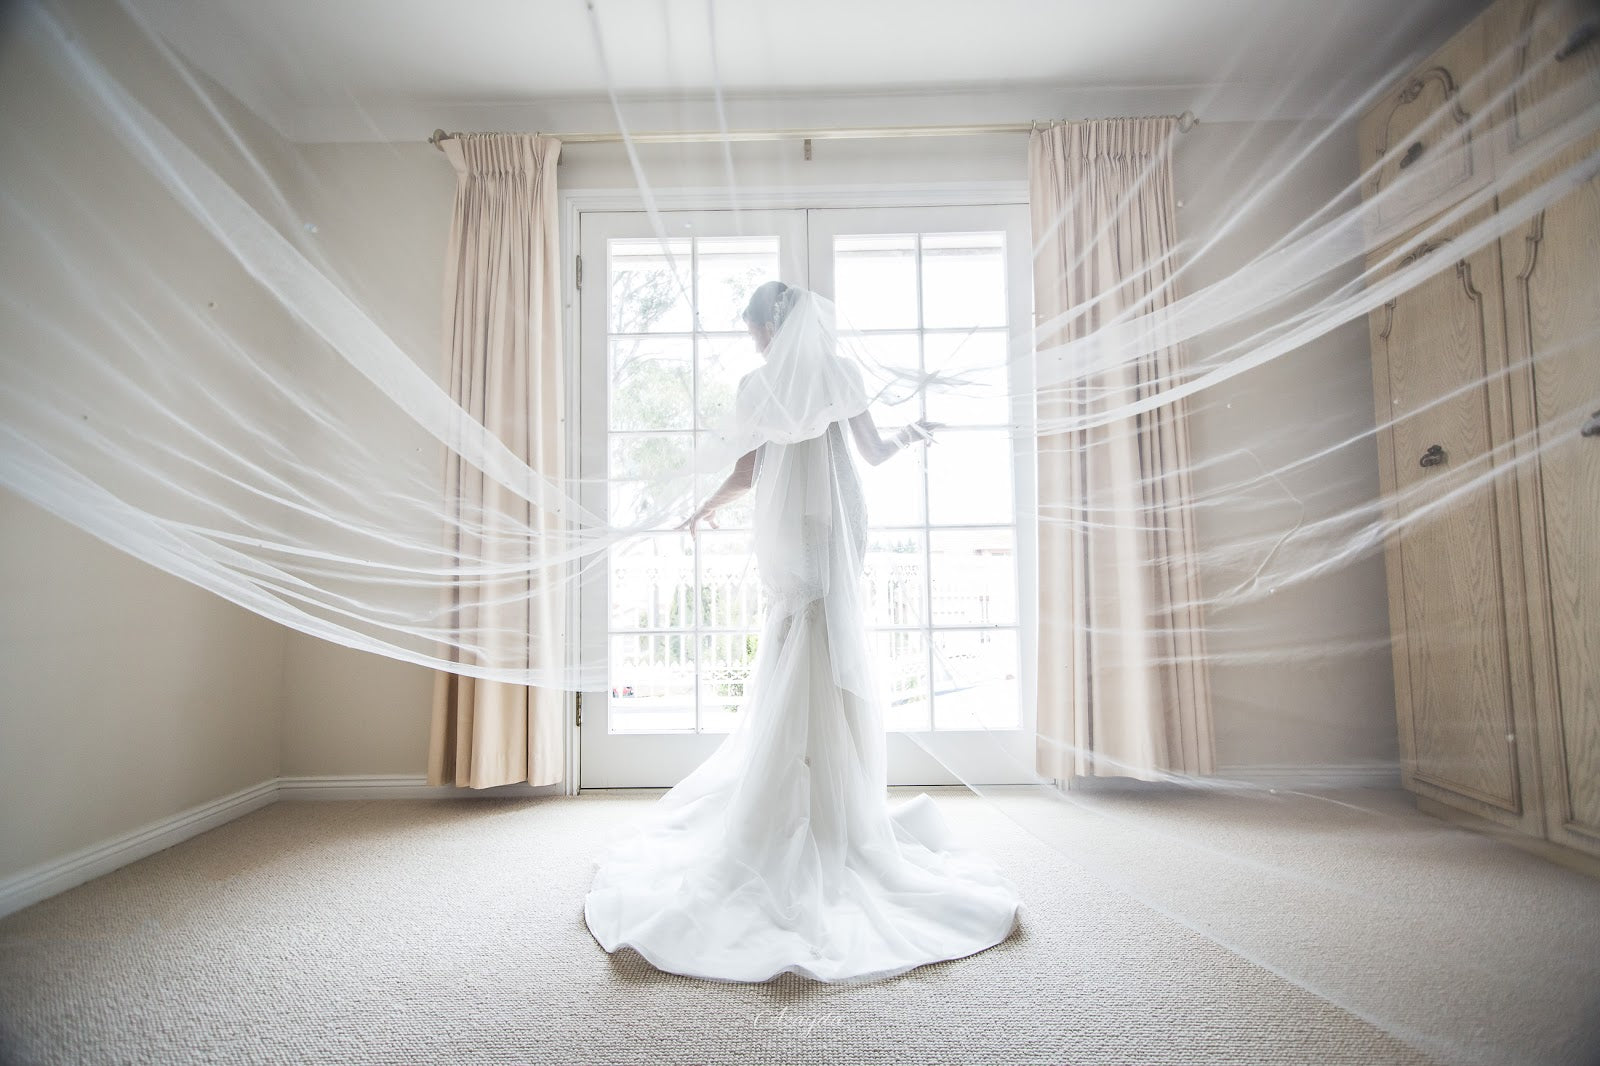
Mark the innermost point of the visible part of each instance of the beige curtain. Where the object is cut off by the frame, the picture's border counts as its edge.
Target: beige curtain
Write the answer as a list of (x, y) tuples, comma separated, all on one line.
[(1122, 679), (503, 334)]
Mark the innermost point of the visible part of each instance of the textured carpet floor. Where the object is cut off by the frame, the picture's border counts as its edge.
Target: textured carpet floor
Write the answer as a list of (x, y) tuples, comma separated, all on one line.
[(452, 931)]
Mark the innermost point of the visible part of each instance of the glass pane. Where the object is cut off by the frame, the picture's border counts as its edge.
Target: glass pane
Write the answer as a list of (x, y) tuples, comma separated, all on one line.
[(969, 478), (726, 660), (723, 361), (975, 679), (980, 393), (646, 297), (902, 664), (894, 487), (895, 584), (730, 592), (634, 462), (974, 577), (875, 277), (652, 683), (652, 384), (883, 355), (963, 279), (730, 269), (652, 582)]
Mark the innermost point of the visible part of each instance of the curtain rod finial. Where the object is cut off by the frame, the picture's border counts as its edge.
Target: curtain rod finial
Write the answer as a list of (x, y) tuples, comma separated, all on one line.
[(1186, 122)]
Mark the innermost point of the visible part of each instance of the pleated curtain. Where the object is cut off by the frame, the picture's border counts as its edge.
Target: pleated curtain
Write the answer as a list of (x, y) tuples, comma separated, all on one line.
[(502, 329), (1122, 680)]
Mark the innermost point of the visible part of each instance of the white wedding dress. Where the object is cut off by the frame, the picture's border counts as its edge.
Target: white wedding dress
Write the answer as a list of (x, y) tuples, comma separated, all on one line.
[(781, 853)]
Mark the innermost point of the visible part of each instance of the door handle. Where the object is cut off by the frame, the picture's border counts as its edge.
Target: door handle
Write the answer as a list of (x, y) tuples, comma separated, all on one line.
[(1578, 41), (1591, 428), (1434, 456)]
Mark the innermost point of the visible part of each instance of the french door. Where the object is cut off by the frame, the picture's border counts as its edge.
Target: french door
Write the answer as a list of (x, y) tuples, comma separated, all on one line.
[(950, 564)]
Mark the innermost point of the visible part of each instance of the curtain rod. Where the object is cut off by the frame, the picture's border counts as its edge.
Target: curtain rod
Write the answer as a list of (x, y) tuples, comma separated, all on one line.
[(1186, 122)]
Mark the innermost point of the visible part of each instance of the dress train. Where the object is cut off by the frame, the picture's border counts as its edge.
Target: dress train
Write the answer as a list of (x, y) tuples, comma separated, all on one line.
[(780, 853)]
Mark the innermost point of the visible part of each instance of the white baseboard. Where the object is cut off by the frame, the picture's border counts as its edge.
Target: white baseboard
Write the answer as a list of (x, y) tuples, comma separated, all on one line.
[(1358, 775), (1354, 775), (50, 878), (47, 879), (397, 786)]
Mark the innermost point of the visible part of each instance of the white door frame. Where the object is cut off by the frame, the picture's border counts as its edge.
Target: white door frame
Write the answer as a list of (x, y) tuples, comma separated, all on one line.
[(983, 756)]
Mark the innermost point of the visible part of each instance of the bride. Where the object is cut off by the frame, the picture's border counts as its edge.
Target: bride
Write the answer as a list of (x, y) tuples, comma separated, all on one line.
[(780, 852)]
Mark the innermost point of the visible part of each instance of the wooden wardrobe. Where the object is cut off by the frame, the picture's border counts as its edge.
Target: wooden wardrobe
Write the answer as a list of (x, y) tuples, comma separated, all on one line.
[(1486, 379)]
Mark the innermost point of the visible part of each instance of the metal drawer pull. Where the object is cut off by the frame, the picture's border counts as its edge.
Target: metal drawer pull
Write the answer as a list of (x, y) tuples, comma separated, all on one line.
[(1591, 428), (1433, 456), (1580, 39), (1411, 154)]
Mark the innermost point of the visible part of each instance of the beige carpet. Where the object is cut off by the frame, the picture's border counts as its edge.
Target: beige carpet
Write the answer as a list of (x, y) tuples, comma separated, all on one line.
[(452, 931)]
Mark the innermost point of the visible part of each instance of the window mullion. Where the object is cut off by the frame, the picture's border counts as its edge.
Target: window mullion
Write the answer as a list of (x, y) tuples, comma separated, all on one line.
[(694, 456), (927, 518)]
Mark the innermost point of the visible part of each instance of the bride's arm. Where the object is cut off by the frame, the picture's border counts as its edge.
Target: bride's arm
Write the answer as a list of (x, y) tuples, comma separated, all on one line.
[(874, 448), (736, 485)]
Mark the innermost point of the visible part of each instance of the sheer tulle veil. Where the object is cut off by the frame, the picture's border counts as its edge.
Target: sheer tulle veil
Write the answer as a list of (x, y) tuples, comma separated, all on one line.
[(809, 510)]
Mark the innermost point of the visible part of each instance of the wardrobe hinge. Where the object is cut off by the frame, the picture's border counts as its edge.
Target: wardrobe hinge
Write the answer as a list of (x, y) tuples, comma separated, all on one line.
[(579, 703), (580, 271)]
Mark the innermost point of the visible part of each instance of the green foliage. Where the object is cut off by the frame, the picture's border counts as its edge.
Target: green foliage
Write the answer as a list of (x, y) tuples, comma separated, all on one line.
[(640, 297), (652, 382), (738, 287), (649, 392)]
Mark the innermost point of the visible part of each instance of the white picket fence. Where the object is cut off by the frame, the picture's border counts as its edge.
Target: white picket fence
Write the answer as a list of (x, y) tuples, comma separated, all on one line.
[(660, 666)]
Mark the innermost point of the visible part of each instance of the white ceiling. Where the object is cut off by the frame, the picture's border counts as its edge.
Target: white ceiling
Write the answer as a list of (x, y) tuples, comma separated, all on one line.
[(385, 69)]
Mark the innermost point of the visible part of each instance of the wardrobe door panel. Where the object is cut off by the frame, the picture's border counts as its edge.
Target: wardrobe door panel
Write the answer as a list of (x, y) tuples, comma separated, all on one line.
[(1553, 328), (1423, 146), (1550, 52), (1439, 349)]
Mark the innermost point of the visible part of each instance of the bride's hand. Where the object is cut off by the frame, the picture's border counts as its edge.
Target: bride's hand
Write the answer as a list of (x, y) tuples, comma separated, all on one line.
[(921, 431), (692, 523)]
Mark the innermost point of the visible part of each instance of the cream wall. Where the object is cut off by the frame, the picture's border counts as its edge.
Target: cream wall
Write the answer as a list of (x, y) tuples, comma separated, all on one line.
[(382, 210), (1301, 676), (130, 695), (382, 214)]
